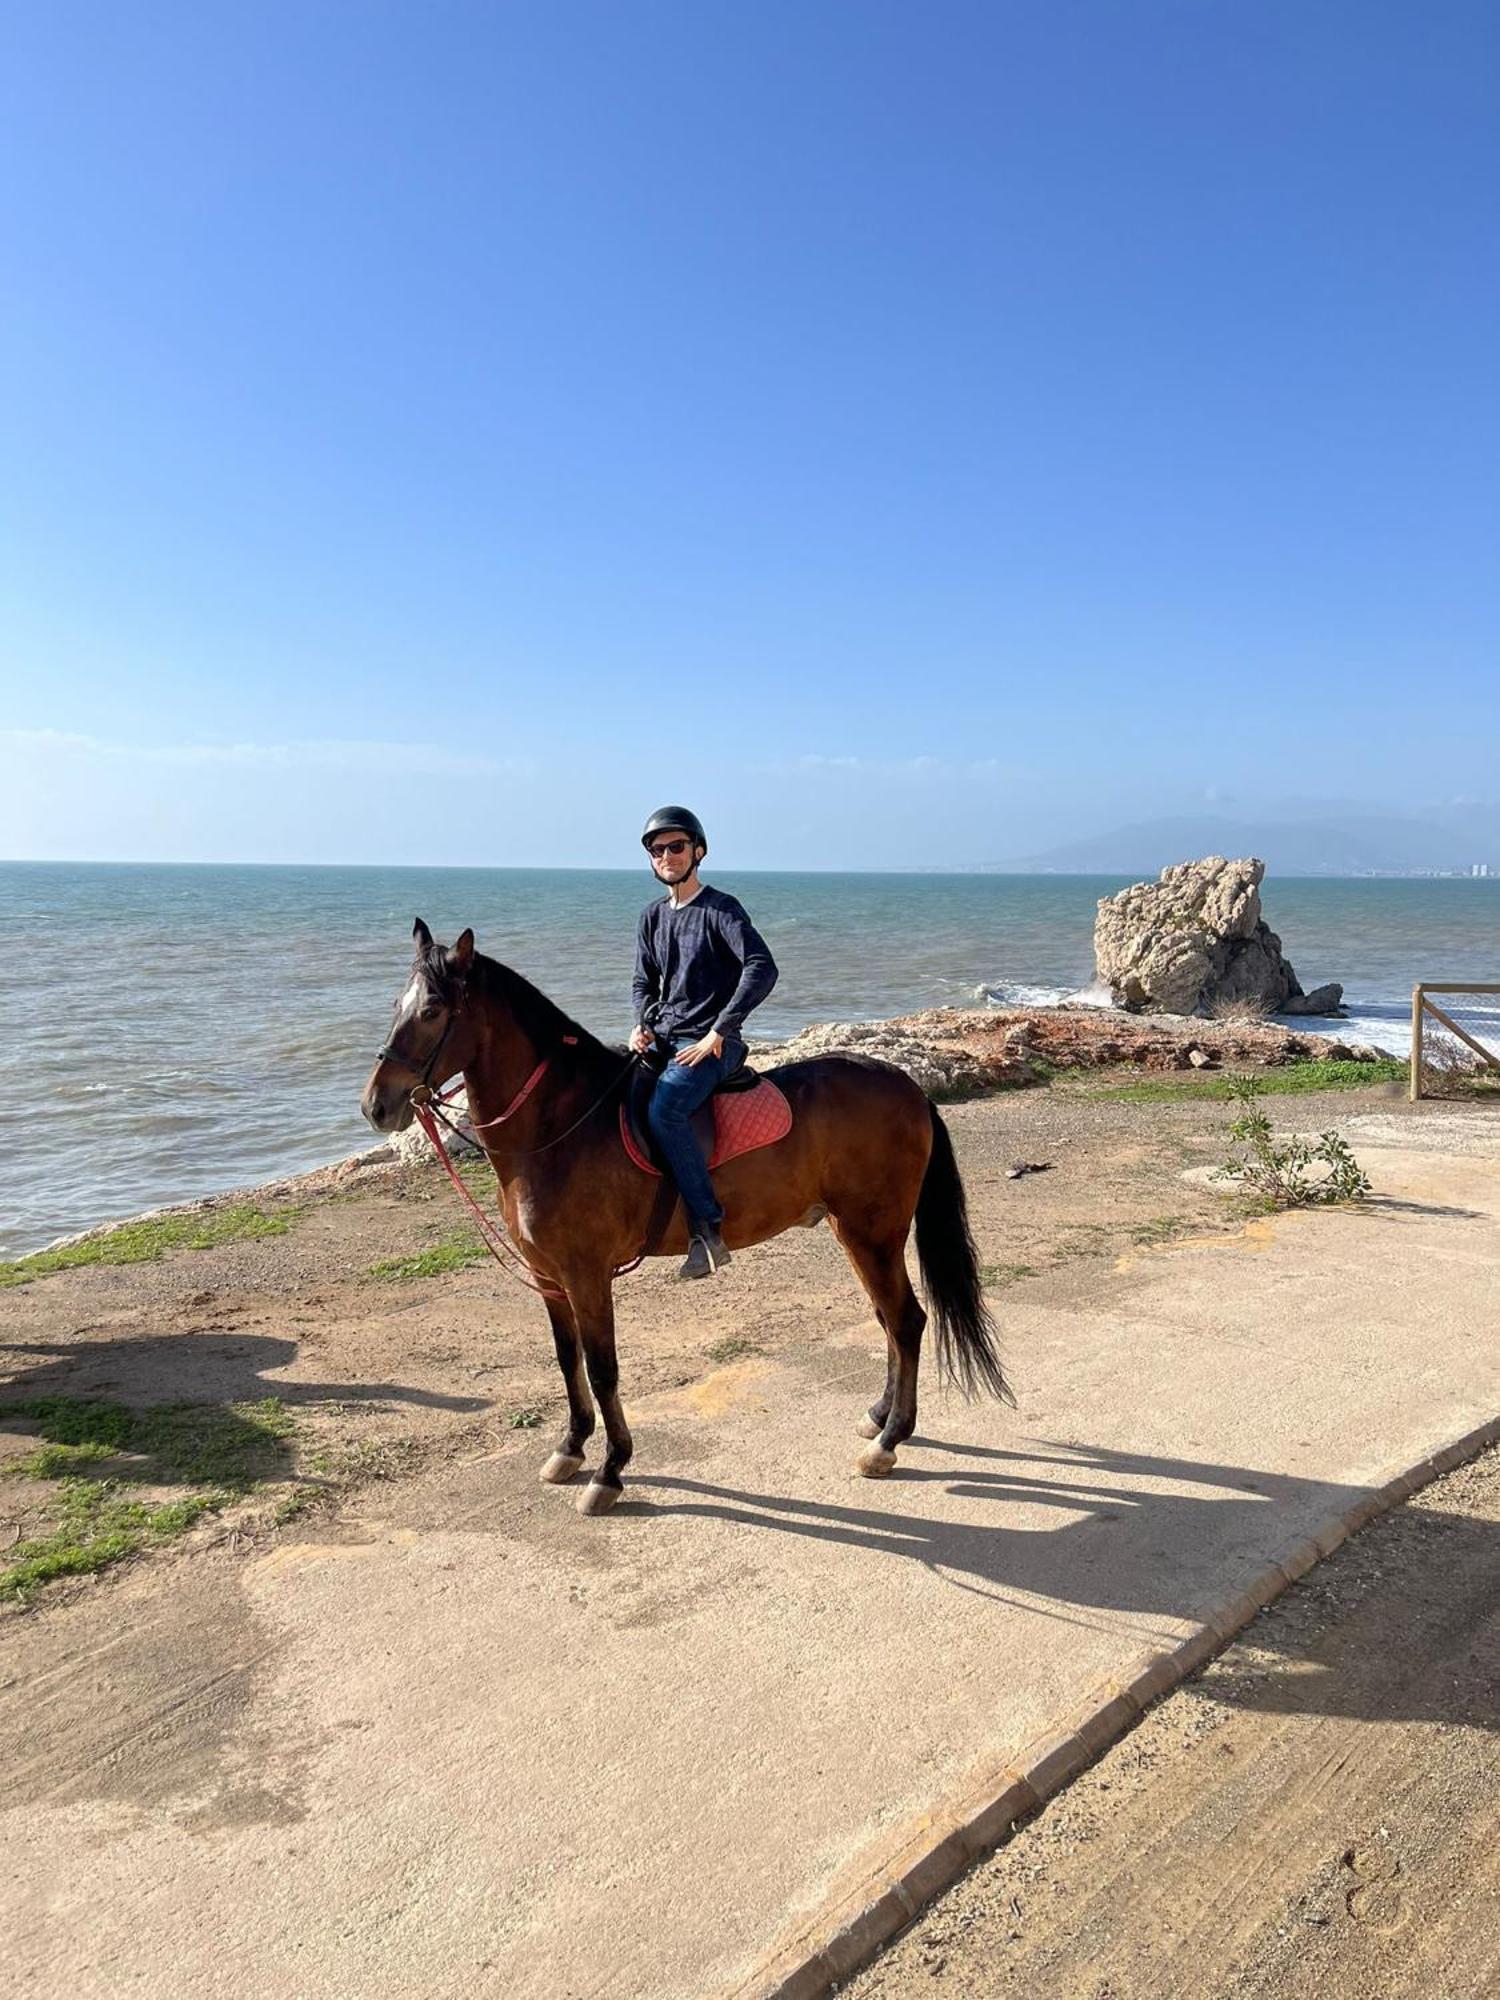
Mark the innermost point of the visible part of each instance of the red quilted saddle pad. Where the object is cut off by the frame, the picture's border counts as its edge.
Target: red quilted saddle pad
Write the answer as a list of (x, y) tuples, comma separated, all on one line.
[(743, 1120)]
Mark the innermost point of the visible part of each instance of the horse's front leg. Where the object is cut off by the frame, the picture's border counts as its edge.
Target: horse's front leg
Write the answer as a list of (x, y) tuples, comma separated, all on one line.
[(568, 1457), (592, 1301)]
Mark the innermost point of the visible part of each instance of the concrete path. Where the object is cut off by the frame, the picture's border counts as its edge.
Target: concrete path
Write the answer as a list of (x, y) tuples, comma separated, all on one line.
[(474, 1744)]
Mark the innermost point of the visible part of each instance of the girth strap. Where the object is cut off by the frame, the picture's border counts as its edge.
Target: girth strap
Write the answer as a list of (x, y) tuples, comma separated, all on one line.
[(661, 1215)]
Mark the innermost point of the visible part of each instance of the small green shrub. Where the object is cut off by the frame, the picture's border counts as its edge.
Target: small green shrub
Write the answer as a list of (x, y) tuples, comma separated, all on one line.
[(1281, 1177)]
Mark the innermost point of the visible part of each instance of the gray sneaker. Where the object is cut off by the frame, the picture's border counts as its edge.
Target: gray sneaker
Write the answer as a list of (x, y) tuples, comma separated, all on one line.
[(706, 1254)]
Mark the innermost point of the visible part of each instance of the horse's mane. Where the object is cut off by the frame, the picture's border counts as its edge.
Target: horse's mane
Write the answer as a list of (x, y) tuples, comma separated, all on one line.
[(541, 1020)]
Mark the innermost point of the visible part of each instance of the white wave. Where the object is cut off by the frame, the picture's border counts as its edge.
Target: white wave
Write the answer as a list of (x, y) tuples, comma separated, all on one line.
[(1378, 1030), (1019, 993)]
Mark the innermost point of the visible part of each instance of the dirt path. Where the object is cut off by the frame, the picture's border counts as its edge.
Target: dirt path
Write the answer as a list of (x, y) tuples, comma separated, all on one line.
[(1314, 1815)]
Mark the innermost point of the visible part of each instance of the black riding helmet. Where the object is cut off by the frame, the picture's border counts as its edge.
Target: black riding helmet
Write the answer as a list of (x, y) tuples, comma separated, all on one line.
[(675, 819)]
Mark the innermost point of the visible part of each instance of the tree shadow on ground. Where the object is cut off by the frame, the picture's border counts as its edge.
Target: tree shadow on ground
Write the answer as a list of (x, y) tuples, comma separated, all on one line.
[(1064, 1531), (224, 1368)]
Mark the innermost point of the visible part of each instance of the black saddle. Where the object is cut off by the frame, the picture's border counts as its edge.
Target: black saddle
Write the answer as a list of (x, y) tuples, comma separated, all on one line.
[(638, 1098)]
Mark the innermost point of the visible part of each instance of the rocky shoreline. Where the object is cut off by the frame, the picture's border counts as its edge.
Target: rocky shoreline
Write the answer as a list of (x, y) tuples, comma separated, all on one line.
[(952, 1052), (967, 1051)]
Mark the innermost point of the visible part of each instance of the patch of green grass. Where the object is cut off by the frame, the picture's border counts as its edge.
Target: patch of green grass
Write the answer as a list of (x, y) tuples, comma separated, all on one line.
[(35, 1563), (374, 1458), (96, 1527), (62, 1461), (231, 1445), (235, 1445), (452, 1254), (221, 1451), (733, 1348), (1005, 1274), (1297, 1079), (524, 1420), (147, 1241), (1159, 1229)]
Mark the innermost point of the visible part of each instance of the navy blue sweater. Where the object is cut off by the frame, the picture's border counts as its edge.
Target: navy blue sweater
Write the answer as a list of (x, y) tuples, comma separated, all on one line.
[(701, 968)]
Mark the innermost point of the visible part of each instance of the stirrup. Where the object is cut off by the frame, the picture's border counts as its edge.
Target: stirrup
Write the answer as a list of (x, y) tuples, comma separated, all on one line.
[(707, 1254)]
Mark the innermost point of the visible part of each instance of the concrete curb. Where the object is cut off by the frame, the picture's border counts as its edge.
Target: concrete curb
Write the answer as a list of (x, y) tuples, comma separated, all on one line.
[(853, 1924)]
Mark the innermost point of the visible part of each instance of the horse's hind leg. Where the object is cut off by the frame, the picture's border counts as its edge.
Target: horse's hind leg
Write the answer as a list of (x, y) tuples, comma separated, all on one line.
[(881, 1267), (568, 1457)]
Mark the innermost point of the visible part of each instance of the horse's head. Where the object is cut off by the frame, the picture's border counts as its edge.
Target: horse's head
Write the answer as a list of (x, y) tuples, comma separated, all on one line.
[(429, 1041)]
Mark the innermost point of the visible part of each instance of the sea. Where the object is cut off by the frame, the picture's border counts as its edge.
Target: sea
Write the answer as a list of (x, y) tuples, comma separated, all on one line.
[(173, 1031)]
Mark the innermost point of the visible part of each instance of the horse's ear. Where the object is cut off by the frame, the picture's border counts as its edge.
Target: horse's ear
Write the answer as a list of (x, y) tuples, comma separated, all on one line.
[(463, 953), (422, 935)]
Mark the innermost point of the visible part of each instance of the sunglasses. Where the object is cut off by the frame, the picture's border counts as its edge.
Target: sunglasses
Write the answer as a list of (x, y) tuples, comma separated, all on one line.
[(669, 847)]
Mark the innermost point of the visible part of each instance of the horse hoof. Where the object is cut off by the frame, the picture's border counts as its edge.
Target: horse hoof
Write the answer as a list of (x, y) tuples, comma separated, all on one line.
[(868, 1428), (876, 1463), (560, 1468), (597, 1498)]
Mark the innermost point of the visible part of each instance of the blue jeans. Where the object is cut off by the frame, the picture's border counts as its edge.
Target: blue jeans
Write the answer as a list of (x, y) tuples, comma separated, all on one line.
[(678, 1093)]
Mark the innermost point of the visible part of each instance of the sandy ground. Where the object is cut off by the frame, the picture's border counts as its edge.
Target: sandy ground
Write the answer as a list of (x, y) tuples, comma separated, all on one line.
[(416, 1390), (1314, 1814)]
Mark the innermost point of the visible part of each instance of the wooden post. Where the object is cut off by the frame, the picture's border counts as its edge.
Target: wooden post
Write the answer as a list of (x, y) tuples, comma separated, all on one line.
[(1414, 1088)]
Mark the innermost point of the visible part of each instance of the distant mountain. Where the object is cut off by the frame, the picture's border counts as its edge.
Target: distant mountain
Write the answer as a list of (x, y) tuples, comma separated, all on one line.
[(1352, 844)]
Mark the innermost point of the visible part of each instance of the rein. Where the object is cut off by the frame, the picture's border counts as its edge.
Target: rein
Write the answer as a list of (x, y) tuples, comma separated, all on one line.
[(467, 1131), (427, 1108), (521, 1095), (492, 1234)]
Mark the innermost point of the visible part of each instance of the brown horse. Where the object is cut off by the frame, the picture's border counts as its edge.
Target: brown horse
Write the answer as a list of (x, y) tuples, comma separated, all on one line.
[(866, 1147)]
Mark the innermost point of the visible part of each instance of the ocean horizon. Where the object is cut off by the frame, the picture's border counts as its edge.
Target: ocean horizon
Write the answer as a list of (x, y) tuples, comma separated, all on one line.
[(182, 1028)]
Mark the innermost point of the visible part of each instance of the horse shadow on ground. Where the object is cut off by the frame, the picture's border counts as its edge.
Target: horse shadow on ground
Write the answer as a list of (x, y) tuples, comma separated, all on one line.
[(1172, 1555)]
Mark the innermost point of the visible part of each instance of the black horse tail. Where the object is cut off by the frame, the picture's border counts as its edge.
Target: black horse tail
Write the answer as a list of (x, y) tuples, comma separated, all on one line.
[(950, 1272)]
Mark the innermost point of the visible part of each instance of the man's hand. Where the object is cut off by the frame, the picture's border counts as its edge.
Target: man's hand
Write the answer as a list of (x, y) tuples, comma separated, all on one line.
[(711, 1045), (641, 1041)]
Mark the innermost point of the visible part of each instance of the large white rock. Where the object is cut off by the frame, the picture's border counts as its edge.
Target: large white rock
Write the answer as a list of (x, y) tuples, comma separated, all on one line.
[(1195, 939)]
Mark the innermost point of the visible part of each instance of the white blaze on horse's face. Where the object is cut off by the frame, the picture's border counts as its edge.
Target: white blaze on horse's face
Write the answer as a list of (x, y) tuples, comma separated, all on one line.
[(410, 1000)]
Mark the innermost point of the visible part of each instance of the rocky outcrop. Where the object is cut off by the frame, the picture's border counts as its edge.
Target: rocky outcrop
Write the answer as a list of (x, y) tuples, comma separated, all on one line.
[(1196, 941), (943, 1067), (957, 1052), (1322, 1000)]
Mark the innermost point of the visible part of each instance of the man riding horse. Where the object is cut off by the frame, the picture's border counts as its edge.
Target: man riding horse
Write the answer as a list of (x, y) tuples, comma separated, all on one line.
[(862, 1146), (700, 967)]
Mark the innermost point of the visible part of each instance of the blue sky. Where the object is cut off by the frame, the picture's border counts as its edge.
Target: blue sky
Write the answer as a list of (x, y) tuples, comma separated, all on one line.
[(912, 434)]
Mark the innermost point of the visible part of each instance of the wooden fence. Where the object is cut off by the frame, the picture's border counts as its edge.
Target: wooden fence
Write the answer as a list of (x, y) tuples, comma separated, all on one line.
[(1423, 1004)]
